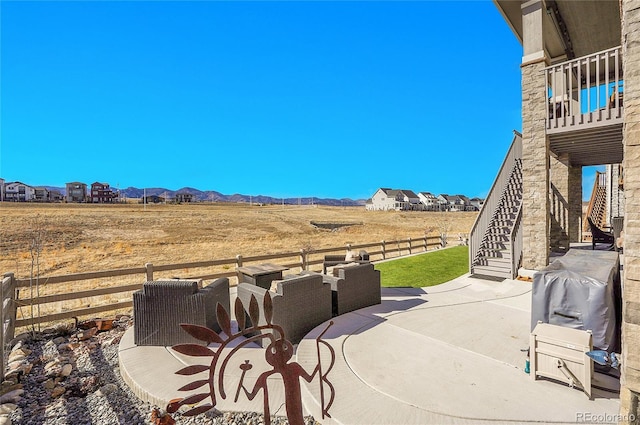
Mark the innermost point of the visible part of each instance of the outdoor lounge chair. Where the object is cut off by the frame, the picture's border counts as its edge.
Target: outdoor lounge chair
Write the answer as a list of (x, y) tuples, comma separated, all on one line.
[(161, 306), (353, 286), (300, 303), (599, 236), (334, 260)]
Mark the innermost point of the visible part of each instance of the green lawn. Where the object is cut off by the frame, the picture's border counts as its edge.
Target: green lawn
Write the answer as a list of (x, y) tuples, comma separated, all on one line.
[(427, 269)]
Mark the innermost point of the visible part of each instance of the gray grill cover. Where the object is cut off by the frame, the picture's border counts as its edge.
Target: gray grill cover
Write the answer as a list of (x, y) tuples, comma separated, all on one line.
[(579, 291)]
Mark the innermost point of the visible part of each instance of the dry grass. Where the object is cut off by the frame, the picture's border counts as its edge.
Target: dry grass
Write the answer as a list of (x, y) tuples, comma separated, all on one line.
[(81, 238), (78, 238)]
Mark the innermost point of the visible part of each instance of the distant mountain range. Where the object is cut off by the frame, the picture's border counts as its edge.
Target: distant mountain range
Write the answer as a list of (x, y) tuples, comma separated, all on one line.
[(213, 196)]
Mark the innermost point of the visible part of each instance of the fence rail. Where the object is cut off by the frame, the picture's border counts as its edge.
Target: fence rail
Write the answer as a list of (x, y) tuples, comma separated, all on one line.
[(111, 290)]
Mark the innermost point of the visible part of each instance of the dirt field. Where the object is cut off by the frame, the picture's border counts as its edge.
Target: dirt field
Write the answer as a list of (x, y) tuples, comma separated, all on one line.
[(80, 238)]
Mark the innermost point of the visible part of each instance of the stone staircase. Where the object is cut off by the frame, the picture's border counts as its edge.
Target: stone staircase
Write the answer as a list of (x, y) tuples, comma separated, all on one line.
[(494, 258)]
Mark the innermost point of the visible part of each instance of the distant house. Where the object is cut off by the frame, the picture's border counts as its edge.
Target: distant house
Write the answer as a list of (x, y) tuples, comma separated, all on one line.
[(101, 193), (411, 201), (184, 197), (430, 201), (76, 192), (55, 196), (383, 200), (41, 194), (1, 190), (386, 199), (153, 199), (477, 203), (451, 202), (19, 192), (466, 203)]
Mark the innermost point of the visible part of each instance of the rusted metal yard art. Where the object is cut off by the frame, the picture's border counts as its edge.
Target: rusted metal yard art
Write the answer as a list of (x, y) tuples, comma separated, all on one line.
[(277, 354)]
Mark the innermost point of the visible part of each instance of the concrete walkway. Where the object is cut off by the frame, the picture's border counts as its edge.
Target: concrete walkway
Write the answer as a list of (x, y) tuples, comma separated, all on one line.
[(444, 354)]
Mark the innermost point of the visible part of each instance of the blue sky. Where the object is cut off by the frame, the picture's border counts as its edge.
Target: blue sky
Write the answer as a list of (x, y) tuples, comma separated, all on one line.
[(323, 99)]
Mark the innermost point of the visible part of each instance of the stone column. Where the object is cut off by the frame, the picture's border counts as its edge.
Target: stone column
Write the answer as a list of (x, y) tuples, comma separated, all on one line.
[(565, 198), (535, 145), (630, 380), (575, 203)]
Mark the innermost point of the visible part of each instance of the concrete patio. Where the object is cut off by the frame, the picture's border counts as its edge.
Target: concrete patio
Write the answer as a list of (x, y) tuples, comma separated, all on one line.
[(444, 354)]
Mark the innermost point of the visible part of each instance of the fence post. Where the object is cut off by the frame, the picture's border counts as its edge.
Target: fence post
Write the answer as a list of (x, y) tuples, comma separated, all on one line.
[(303, 259), (384, 251), (149, 268), (238, 260), (7, 314), (2, 316), (409, 246), (425, 243)]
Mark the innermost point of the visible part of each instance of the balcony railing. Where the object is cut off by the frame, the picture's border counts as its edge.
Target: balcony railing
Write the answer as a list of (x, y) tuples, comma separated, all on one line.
[(585, 92)]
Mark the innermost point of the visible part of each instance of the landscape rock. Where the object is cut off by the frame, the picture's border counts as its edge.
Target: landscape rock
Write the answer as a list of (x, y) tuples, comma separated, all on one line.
[(57, 391), (66, 370), (93, 391), (106, 389), (11, 396), (7, 408)]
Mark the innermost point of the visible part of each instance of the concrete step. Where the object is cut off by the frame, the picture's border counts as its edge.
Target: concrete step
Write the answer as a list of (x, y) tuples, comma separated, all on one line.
[(490, 271)]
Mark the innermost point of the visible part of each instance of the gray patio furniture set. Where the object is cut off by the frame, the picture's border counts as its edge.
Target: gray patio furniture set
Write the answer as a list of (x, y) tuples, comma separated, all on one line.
[(303, 301), (300, 302)]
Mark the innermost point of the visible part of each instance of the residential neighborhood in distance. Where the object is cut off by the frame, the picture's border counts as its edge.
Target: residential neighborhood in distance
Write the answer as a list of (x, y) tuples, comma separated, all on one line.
[(102, 193), (406, 200)]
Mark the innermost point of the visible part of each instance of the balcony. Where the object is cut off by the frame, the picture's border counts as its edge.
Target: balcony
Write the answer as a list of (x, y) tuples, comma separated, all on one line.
[(586, 105)]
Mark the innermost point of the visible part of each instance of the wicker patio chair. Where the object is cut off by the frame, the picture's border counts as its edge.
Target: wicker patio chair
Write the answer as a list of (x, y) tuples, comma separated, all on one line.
[(161, 306), (599, 236), (335, 260), (353, 286), (300, 303)]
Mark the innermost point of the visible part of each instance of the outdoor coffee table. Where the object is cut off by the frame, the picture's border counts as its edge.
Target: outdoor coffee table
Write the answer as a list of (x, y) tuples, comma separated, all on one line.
[(261, 275)]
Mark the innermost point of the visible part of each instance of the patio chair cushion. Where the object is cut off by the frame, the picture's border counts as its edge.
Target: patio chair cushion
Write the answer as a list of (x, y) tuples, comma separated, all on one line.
[(161, 306), (300, 303), (353, 286), (334, 260), (274, 285), (350, 256)]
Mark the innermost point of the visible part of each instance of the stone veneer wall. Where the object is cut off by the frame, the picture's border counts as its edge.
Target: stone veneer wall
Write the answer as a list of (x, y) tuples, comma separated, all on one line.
[(630, 391), (616, 206), (566, 202), (559, 203), (535, 167), (575, 204)]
